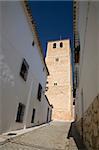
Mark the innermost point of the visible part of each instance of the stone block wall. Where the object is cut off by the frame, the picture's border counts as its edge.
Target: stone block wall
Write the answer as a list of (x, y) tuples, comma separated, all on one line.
[(59, 85), (61, 114), (88, 126)]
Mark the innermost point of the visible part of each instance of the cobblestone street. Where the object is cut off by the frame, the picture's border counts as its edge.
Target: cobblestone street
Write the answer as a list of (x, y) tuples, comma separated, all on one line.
[(53, 136)]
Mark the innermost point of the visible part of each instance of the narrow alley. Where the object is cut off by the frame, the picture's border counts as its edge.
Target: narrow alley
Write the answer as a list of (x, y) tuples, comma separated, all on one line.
[(53, 136), (49, 75)]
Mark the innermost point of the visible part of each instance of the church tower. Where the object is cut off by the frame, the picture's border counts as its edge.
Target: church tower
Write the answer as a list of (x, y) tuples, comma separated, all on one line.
[(59, 82)]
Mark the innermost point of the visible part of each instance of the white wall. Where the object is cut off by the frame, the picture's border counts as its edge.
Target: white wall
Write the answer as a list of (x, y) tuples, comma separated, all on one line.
[(41, 108), (17, 44), (0, 66), (97, 9), (89, 52)]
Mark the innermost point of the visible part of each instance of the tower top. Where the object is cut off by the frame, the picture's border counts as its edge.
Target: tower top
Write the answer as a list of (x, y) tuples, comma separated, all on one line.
[(56, 46)]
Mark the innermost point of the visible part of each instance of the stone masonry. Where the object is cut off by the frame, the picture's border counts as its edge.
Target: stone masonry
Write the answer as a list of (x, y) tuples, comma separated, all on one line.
[(59, 87), (90, 124)]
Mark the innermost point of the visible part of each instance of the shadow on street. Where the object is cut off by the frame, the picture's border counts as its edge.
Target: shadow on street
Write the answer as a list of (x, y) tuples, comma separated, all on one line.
[(77, 138)]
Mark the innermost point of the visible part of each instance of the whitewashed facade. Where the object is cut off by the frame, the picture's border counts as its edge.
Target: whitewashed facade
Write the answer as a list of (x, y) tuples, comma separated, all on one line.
[(87, 92), (16, 38)]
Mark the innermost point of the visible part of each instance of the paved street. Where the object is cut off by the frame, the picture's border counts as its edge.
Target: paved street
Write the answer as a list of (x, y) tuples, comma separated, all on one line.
[(53, 136)]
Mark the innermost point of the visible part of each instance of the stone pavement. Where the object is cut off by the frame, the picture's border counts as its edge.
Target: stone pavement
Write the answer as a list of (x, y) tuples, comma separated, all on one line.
[(54, 136)]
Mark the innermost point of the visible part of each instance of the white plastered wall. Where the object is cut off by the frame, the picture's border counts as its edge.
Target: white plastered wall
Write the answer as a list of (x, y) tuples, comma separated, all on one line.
[(89, 52), (17, 44)]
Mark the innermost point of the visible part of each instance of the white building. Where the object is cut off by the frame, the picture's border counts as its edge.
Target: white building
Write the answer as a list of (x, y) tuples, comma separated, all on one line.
[(87, 92), (23, 71)]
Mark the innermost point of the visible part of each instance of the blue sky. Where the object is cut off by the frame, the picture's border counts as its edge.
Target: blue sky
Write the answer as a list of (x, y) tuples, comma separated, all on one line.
[(53, 19)]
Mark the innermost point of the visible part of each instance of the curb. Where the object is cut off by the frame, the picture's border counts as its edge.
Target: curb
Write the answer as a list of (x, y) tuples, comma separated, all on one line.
[(5, 138)]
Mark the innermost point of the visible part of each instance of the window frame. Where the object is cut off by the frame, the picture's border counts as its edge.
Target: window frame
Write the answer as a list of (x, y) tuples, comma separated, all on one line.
[(24, 69), (20, 113), (39, 94)]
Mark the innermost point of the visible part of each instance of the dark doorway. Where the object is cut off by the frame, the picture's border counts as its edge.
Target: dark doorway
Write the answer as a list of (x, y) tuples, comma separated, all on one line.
[(33, 116), (47, 114), (50, 115)]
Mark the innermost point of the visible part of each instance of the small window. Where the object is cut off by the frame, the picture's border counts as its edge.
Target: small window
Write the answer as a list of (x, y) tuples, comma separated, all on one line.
[(39, 92), (54, 45), (74, 102), (20, 113), (24, 70), (57, 59), (33, 43), (43, 68), (55, 83), (61, 44), (33, 115), (46, 89), (46, 82)]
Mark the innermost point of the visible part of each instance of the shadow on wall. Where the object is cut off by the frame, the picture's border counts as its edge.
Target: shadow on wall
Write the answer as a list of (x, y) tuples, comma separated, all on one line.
[(75, 135)]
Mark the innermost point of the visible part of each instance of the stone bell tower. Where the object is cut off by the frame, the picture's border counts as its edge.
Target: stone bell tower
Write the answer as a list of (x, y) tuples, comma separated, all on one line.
[(59, 82)]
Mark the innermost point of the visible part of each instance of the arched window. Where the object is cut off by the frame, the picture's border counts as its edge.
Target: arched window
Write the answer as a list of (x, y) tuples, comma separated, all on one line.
[(54, 45), (55, 83), (61, 44)]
